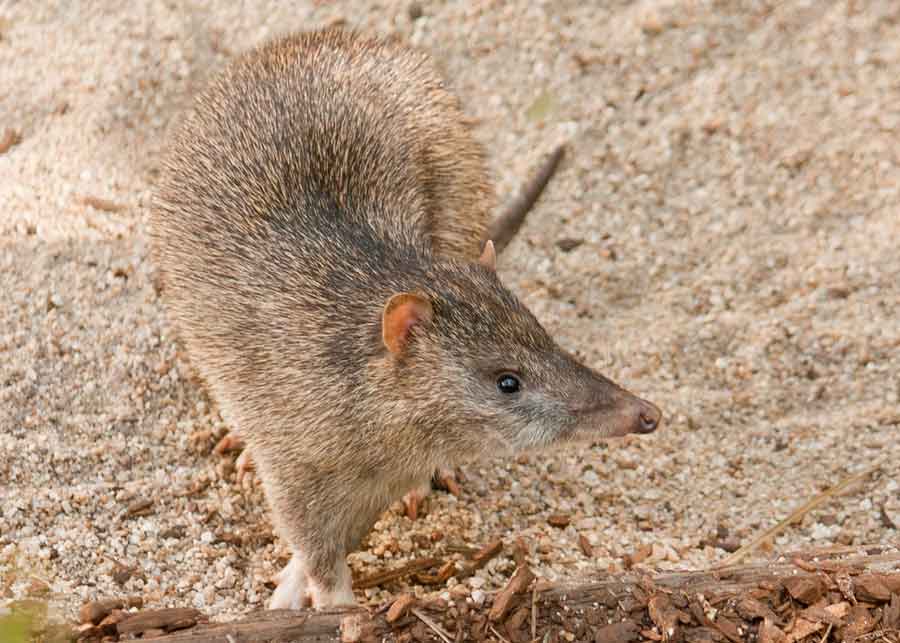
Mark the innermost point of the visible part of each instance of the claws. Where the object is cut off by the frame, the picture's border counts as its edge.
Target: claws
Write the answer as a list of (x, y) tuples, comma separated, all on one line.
[(444, 479)]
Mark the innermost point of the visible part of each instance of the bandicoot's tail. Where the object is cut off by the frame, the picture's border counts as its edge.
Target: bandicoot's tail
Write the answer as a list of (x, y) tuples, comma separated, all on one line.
[(504, 227)]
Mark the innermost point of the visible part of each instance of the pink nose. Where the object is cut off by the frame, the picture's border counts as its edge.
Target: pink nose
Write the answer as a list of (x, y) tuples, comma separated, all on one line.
[(649, 418)]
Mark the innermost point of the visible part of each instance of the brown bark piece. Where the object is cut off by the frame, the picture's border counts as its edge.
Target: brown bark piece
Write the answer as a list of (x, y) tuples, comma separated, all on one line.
[(168, 619), (890, 618), (520, 552), (96, 611), (560, 521), (638, 556), (729, 628), (663, 615), (751, 609), (585, 545), (803, 628), (871, 588), (443, 574), (9, 139), (806, 589), (859, 621), (770, 633), (503, 599), (832, 615), (487, 552), (140, 507), (109, 626), (515, 622), (481, 558), (400, 607), (624, 632)]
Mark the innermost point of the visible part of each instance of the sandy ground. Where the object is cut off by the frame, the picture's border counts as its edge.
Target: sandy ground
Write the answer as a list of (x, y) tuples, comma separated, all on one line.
[(733, 178)]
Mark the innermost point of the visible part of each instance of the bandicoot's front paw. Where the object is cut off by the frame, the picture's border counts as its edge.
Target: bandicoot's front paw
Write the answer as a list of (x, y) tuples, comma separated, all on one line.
[(443, 479), (292, 592)]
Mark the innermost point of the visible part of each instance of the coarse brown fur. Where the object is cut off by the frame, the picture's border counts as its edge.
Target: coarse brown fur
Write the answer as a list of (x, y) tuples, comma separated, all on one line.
[(318, 177)]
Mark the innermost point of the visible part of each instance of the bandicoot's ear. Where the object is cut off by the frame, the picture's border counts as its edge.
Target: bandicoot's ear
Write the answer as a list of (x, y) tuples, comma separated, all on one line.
[(488, 257), (401, 312)]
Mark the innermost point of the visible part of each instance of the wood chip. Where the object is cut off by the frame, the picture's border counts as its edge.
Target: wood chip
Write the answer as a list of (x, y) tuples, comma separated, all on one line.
[(140, 508), (831, 615), (520, 552), (400, 607), (504, 598), (806, 589), (443, 574), (559, 521), (481, 558), (96, 611), (9, 139), (109, 625), (859, 621), (872, 588), (624, 632), (104, 205), (663, 615), (487, 552), (639, 555), (770, 633), (585, 545), (890, 618), (751, 609), (568, 245), (168, 620)]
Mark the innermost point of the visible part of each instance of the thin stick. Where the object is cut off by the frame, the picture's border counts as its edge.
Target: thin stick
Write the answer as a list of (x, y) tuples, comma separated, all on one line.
[(534, 612), (379, 578), (796, 515), (437, 629), (499, 635), (827, 632)]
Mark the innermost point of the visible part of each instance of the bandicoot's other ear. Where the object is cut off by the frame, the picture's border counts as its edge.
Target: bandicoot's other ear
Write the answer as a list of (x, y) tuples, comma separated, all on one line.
[(401, 312), (488, 257)]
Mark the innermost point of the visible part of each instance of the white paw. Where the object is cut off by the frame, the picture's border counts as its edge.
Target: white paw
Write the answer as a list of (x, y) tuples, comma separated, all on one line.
[(291, 593), (339, 596)]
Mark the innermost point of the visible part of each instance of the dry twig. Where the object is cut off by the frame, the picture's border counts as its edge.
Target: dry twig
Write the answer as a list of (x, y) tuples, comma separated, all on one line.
[(437, 629), (796, 515)]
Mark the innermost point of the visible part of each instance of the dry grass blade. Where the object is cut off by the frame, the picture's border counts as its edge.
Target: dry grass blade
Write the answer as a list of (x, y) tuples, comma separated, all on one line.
[(796, 515), (437, 629)]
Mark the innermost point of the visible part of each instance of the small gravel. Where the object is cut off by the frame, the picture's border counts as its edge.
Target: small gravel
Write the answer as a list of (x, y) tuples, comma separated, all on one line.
[(722, 239)]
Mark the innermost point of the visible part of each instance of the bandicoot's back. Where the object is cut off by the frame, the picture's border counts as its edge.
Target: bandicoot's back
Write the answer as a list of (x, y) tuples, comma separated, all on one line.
[(317, 228)]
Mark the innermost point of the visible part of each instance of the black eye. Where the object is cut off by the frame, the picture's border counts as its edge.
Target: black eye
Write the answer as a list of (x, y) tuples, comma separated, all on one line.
[(508, 384)]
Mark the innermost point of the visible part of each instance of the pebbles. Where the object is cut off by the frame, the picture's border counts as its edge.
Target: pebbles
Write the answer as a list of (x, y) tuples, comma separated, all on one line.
[(734, 206)]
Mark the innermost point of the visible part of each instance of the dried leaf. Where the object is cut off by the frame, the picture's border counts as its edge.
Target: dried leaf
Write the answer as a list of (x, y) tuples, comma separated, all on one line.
[(541, 107)]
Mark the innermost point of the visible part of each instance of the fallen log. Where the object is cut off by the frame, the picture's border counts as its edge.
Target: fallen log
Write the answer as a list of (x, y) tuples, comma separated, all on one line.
[(815, 595)]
